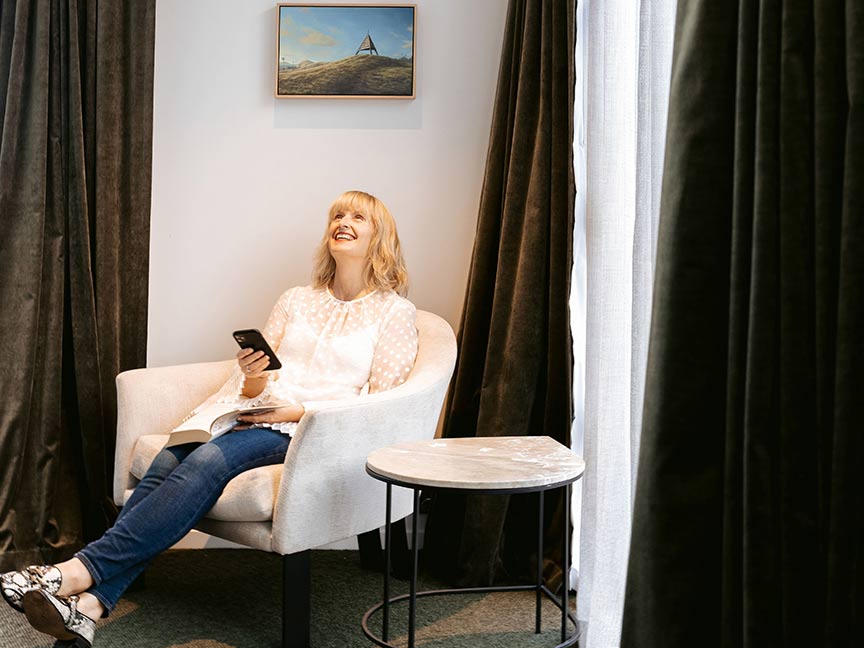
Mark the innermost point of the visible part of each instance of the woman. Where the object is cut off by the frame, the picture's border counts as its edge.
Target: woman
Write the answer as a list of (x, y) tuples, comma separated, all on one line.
[(350, 332)]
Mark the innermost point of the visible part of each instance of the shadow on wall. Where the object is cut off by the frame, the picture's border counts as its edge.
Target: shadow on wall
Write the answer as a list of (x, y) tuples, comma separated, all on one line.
[(384, 114)]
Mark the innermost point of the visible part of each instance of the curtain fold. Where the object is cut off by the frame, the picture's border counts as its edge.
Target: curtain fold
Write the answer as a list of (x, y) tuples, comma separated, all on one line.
[(513, 375), (76, 112), (747, 527)]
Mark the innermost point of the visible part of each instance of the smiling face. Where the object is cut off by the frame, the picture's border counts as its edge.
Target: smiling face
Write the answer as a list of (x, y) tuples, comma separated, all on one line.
[(360, 227), (350, 232)]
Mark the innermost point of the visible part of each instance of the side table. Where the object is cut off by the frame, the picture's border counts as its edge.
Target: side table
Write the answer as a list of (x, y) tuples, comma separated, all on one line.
[(488, 465)]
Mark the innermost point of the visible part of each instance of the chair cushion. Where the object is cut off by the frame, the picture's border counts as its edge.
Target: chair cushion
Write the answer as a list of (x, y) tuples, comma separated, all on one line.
[(249, 497)]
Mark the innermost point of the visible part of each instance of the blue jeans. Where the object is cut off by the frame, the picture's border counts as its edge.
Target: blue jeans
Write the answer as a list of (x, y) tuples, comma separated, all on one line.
[(180, 487)]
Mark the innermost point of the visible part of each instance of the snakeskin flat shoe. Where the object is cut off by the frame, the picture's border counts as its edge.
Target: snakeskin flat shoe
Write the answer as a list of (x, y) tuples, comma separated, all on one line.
[(14, 585), (59, 617)]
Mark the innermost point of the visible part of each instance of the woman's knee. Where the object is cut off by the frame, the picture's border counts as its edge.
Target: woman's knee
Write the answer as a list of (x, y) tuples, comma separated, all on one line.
[(164, 463), (206, 459)]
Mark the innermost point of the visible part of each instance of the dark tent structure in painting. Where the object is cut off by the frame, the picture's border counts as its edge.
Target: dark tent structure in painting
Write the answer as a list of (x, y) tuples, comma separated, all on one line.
[(367, 46)]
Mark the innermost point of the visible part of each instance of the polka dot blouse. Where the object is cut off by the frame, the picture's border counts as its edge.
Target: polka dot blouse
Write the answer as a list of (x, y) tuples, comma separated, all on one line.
[(331, 349)]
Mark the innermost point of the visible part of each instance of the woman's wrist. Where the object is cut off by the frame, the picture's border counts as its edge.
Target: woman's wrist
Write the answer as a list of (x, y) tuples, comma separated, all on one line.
[(253, 385)]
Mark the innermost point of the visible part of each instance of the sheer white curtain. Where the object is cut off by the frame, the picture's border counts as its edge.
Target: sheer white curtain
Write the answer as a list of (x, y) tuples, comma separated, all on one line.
[(624, 57)]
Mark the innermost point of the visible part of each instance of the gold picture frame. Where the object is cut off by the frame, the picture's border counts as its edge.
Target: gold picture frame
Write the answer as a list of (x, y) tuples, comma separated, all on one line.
[(345, 51)]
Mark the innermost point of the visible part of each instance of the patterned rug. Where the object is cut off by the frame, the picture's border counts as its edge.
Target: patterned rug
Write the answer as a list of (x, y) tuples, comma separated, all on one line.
[(224, 598)]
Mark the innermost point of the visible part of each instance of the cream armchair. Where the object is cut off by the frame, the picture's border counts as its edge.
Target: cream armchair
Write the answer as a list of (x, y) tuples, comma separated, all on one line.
[(321, 494)]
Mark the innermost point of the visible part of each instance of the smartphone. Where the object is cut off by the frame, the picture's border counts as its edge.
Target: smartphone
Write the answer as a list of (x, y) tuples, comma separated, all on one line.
[(252, 339)]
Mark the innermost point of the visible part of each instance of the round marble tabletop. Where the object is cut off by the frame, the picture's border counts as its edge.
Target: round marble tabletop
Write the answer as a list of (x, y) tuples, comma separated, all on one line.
[(478, 463)]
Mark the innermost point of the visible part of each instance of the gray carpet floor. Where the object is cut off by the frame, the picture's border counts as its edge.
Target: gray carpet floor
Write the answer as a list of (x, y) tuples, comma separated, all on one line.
[(223, 598)]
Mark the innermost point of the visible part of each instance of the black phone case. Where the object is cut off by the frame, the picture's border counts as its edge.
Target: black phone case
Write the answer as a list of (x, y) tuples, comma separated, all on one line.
[(253, 339)]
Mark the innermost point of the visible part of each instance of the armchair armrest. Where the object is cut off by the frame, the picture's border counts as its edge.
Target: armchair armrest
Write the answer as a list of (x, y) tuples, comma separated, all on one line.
[(155, 400), (325, 493)]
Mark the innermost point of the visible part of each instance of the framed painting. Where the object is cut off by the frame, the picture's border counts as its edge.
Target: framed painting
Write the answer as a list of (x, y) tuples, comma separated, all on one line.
[(345, 51)]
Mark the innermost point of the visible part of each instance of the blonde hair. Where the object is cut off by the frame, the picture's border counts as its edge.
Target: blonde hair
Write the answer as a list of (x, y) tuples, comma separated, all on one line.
[(385, 267)]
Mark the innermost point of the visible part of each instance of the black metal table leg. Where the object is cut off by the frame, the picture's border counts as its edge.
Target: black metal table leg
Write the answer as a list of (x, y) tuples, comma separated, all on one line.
[(385, 622), (412, 606), (538, 619), (566, 576)]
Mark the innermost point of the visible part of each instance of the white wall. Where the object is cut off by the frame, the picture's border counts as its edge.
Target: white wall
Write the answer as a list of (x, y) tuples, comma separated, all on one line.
[(242, 181)]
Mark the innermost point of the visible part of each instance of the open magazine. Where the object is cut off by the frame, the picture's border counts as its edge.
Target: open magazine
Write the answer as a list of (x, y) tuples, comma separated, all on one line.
[(213, 421)]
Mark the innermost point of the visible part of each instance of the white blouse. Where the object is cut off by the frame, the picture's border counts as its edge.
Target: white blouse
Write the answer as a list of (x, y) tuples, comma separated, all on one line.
[(331, 349)]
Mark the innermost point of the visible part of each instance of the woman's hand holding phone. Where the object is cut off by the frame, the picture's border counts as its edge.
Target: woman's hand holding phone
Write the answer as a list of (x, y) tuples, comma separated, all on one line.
[(255, 345), (253, 363)]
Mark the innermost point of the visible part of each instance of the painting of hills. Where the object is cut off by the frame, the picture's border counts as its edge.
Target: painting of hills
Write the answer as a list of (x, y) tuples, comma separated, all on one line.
[(362, 51)]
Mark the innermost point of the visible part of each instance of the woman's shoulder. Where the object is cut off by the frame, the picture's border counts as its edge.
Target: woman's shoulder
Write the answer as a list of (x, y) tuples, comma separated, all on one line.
[(396, 303)]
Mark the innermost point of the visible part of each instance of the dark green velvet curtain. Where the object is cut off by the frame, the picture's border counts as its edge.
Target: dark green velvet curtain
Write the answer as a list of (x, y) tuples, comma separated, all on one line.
[(514, 372), (76, 103), (748, 525)]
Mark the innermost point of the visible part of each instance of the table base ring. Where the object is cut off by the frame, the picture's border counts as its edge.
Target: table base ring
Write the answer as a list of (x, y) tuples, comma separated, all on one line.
[(570, 641)]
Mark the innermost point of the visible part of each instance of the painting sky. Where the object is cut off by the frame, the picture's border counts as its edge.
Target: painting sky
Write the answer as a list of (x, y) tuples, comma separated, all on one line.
[(332, 33)]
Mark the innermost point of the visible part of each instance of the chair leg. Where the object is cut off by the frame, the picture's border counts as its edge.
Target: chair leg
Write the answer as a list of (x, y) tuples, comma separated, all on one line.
[(297, 599), (371, 556)]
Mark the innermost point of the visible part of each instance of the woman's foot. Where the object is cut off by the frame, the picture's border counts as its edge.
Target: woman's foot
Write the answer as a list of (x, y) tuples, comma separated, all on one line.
[(90, 605), (76, 578), (14, 585), (59, 617)]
